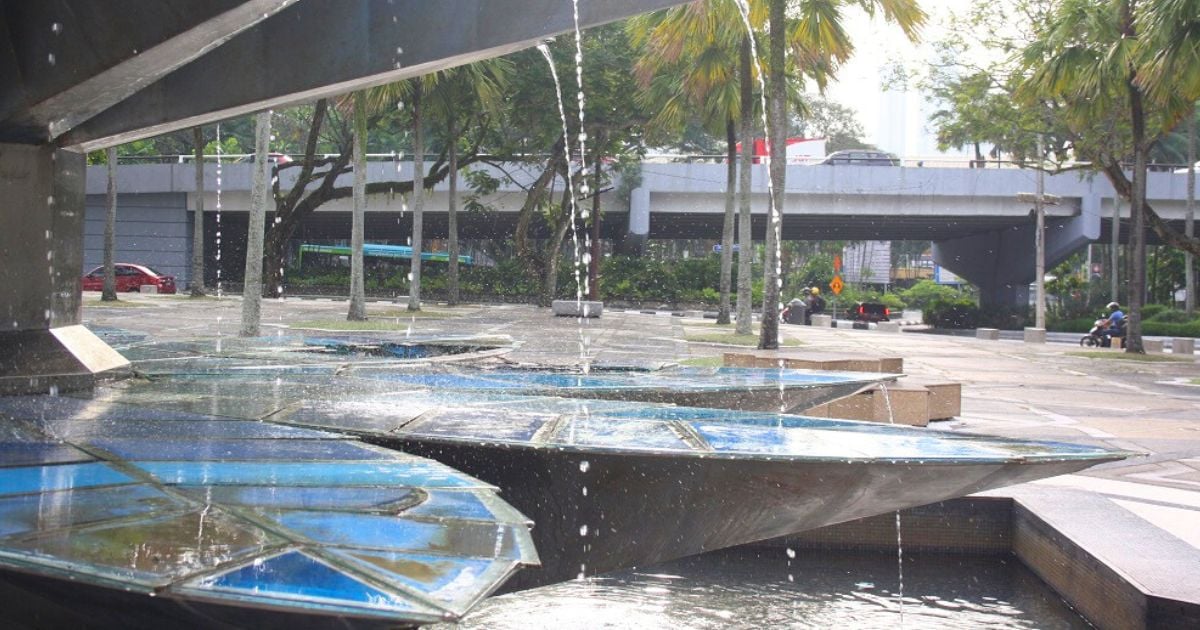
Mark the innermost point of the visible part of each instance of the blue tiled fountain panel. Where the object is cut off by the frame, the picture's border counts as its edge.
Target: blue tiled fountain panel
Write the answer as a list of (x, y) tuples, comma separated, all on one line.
[(255, 515)]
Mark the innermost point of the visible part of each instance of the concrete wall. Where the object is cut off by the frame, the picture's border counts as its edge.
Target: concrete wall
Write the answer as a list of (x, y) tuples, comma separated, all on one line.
[(153, 229)]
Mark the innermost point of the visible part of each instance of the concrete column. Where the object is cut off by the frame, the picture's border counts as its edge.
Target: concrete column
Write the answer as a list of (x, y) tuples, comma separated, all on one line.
[(41, 250), (638, 231)]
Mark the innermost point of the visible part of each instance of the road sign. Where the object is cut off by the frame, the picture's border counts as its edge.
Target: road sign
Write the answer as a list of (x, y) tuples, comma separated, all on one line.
[(717, 248), (837, 265), (836, 285)]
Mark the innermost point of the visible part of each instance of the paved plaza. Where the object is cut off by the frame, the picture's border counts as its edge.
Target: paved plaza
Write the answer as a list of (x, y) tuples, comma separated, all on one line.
[(1141, 516)]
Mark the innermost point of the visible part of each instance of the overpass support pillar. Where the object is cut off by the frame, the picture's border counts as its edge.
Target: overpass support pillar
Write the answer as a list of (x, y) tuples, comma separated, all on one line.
[(1002, 262), (638, 230), (42, 344)]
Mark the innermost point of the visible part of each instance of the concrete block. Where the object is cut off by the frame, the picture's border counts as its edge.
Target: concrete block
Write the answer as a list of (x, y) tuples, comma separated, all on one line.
[(573, 308), (149, 288), (945, 398), (808, 360), (990, 334), (898, 404), (1035, 335), (1183, 345), (893, 327), (822, 321), (1152, 345)]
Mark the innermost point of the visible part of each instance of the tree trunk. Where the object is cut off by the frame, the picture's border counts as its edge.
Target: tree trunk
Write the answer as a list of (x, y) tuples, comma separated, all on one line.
[(452, 213), (418, 206), (358, 293), (1116, 250), (769, 332), (745, 239), (553, 254), (109, 294), (727, 228), (1137, 280), (252, 283), (197, 279), (1189, 226), (594, 241)]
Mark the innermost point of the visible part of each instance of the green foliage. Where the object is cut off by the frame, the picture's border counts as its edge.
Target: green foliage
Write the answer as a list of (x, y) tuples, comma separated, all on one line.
[(926, 292), (1167, 317), (952, 313), (1150, 310)]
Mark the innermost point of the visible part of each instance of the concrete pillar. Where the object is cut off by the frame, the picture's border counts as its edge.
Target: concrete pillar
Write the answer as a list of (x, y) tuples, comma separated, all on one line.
[(638, 230), (1183, 345), (1035, 335), (42, 344), (989, 334)]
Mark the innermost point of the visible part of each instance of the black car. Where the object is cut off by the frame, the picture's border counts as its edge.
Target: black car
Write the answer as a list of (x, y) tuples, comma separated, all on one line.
[(871, 312), (861, 158)]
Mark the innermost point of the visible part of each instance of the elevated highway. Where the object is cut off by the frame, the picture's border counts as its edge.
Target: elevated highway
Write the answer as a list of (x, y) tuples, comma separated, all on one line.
[(979, 229)]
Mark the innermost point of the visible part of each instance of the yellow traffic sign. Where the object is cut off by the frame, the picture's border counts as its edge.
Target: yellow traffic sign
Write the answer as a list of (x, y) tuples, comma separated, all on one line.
[(836, 285)]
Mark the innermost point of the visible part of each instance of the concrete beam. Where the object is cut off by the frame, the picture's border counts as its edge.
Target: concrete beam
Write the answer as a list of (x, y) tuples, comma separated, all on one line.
[(73, 59), (323, 48)]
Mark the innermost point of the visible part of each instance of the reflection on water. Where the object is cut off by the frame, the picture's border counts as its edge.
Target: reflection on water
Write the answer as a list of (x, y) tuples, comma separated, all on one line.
[(749, 588)]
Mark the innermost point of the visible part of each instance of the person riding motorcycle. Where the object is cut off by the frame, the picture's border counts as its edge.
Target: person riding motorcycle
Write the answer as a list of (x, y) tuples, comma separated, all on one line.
[(815, 303), (1114, 324)]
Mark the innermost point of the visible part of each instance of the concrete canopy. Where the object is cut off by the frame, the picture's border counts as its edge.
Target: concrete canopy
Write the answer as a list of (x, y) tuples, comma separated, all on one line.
[(88, 74)]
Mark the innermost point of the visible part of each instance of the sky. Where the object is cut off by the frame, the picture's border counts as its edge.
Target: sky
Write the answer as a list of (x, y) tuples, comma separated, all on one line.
[(892, 120)]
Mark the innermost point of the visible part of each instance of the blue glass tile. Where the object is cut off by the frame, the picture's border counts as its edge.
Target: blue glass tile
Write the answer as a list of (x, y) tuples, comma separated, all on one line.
[(240, 450), (482, 424), (390, 500), (447, 381), (53, 510), (58, 477), (457, 582), (153, 552), (452, 538), (453, 505), (299, 577), (30, 453), (414, 473)]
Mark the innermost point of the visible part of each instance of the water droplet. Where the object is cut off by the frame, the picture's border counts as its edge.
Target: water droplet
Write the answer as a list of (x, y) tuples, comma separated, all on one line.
[(51, 58), (50, 200), (583, 530), (791, 553), (56, 28), (584, 465)]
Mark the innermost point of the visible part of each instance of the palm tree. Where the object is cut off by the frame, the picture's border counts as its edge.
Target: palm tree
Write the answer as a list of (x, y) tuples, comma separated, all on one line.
[(418, 206), (109, 294), (358, 296), (745, 322), (259, 200), (1092, 57), (818, 43), (684, 70), (197, 279)]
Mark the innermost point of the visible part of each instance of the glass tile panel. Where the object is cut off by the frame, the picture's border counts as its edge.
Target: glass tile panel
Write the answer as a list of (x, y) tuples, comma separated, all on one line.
[(152, 552), (734, 438), (53, 510), (482, 424), (619, 433), (390, 500), (452, 538), (298, 577), (414, 473), (30, 453), (451, 505), (59, 477), (214, 429), (241, 450), (457, 582)]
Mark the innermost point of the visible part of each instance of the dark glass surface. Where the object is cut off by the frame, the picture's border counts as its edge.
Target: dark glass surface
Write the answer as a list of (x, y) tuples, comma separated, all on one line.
[(479, 424), (445, 504), (29, 453)]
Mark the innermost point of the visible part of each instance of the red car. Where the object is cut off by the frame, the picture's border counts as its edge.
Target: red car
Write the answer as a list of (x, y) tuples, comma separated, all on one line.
[(130, 278)]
